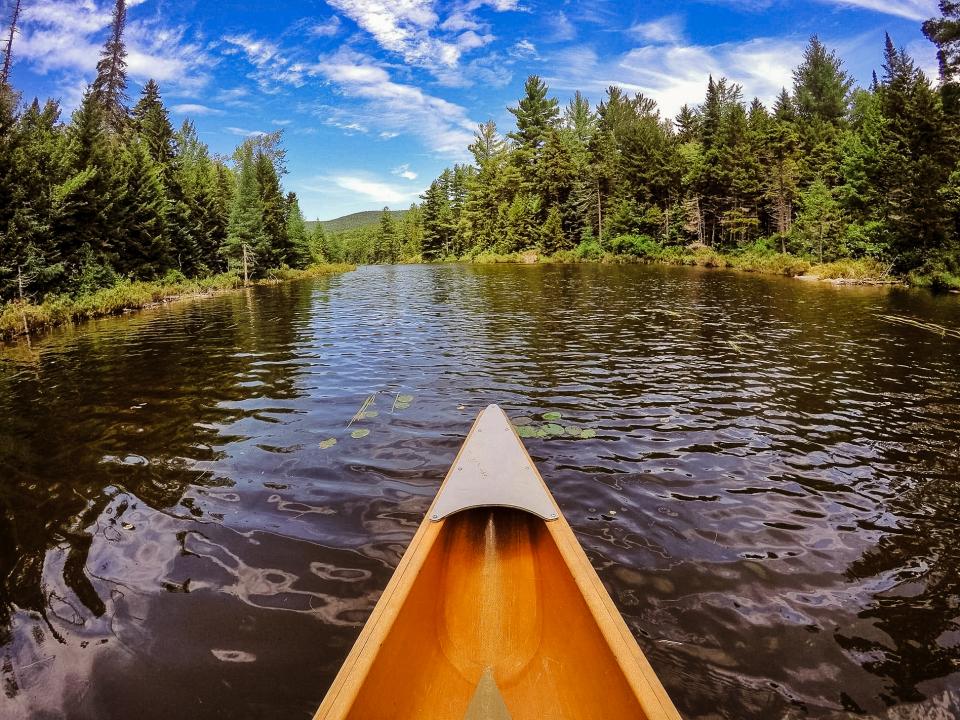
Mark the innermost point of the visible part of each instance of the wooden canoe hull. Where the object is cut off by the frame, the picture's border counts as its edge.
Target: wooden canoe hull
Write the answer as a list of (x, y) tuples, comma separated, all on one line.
[(501, 592)]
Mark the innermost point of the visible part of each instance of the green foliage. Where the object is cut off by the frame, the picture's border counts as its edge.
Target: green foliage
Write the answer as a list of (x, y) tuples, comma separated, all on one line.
[(639, 246)]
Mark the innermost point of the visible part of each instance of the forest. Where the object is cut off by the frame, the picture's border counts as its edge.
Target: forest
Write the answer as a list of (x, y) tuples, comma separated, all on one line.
[(116, 194), (829, 173)]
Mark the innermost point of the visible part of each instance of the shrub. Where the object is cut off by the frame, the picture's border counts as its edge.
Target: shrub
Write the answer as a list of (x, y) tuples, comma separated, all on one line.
[(589, 250), (641, 246)]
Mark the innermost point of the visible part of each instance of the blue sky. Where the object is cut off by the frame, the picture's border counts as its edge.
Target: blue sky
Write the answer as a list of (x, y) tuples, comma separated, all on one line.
[(375, 97)]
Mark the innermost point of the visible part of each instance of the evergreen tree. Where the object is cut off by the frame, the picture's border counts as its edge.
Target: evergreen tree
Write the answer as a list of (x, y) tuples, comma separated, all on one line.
[(8, 47), (297, 237), (110, 86), (143, 214), (151, 121), (387, 241), (276, 248), (246, 246), (944, 32)]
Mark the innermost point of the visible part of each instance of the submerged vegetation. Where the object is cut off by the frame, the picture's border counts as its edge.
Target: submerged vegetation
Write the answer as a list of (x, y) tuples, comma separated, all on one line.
[(98, 213)]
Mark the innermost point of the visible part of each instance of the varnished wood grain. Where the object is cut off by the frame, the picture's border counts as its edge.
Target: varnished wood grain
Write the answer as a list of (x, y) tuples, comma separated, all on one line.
[(500, 589)]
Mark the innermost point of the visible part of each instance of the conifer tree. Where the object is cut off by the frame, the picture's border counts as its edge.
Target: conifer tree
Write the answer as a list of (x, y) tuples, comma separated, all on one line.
[(387, 241), (151, 121), (246, 246), (944, 32), (276, 249), (110, 85), (143, 211), (296, 230), (8, 47)]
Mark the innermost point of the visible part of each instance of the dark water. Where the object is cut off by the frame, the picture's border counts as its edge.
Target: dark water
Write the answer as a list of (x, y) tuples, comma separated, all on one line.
[(781, 464)]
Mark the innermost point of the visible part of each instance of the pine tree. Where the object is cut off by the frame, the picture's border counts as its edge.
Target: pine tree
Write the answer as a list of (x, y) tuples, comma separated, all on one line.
[(944, 32), (87, 215), (143, 213), (536, 115), (110, 86), (300, 256), (276, 249), (8, 47), (246, 245), (151, 121), (437, 219), (387, 241)]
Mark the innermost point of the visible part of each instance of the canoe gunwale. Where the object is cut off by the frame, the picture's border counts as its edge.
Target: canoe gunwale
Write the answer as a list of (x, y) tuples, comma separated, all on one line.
[(646, 686)]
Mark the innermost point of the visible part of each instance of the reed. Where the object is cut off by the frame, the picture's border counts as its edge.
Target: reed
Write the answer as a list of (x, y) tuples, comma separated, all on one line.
[(940, 330)]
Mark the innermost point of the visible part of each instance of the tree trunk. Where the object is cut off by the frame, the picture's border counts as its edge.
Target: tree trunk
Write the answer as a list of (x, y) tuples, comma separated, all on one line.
[(246, 278), (8, 53)]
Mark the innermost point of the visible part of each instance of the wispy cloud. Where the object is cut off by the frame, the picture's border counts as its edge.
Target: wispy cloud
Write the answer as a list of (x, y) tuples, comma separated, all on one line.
[(352, 183), (326, 28), (243, 132), (393, 106), (910, 9), (677, 74), (63, 36), (404, 171), (668, 30), (195, 109)]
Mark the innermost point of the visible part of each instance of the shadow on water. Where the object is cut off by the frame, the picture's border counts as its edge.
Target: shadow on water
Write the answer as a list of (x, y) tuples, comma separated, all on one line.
[(768, 487)]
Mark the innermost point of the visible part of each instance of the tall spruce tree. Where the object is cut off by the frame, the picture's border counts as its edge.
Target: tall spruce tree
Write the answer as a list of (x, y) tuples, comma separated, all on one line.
[(110, 86), (944, 32)]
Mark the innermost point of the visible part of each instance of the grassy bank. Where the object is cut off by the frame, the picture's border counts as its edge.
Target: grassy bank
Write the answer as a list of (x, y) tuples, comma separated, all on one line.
[(635, 250), (127, 295)]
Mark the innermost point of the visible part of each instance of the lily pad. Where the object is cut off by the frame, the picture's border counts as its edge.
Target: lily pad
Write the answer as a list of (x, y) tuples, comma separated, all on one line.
[(371, 414), (552, 416), (329, 442), (573, 430), (362, 433), (527, 431), (588, 433), (554, 429), (401, 406), (523, 420), (406, 399)]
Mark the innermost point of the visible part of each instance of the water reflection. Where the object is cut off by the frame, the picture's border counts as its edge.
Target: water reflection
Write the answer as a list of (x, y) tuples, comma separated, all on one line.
[(770, 494)]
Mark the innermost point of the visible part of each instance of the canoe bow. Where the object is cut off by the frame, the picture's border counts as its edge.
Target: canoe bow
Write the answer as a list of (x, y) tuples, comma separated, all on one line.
[(494, 611)]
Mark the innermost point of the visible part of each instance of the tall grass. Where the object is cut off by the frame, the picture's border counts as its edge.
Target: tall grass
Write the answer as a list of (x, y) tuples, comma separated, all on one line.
[(128, 295)]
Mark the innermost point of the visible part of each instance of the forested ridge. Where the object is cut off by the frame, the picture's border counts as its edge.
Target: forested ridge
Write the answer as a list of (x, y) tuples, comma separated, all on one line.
[(115, 193), (830, 172)]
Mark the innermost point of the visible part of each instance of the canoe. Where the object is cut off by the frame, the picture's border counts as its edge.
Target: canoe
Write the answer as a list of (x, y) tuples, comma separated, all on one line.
[(494, 611)]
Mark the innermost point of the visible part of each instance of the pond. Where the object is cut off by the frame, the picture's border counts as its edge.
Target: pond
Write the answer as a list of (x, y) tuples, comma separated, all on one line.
[(764, 472)]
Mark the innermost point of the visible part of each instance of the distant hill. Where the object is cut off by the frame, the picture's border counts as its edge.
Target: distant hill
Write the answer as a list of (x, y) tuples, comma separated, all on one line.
[(355, 220)]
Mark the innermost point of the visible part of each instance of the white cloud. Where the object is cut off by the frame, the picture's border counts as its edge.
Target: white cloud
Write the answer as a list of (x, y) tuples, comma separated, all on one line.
[(561, 29), (195, 109), (280, 122), (523, 49), (911, 9), (668, 30), (360, 183), (404, 171), (242, 132), (402, 27), (58, 36), (272, 66), (327, 28), (677, 74), (392, 106)]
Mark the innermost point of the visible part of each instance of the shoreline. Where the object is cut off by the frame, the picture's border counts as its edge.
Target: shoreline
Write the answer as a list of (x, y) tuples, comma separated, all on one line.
[(859, 272), (129, 296)]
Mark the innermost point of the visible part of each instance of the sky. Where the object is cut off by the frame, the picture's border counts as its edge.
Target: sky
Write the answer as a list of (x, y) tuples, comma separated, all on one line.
[(376, 97)]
